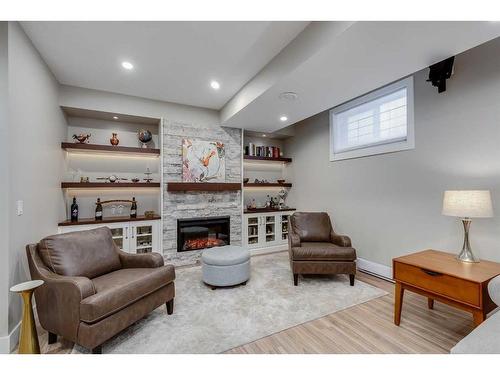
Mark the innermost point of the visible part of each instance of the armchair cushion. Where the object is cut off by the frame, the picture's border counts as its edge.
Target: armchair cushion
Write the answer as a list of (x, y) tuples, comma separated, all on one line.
[(315, 251), (88, 253), (119, 289), (311, 226)]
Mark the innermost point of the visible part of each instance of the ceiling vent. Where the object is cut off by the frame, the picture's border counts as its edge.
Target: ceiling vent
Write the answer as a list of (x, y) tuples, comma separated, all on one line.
[(289, 96)]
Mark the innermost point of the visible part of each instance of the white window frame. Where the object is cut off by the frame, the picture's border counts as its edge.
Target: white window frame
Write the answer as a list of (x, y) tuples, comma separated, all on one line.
[(387, 146)]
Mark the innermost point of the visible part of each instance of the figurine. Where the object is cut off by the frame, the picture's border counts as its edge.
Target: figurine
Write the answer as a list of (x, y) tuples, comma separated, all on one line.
[(82, 138), (114, 139)]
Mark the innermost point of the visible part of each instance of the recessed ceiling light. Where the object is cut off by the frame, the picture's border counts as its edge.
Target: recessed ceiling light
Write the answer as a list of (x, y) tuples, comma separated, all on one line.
[(115, 117), (264, 135), (127, 65), (283, 118), (215, 85)]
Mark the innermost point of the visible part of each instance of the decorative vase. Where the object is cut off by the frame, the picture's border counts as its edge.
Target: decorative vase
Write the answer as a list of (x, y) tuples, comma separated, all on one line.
[(114, 139), (144, 136)]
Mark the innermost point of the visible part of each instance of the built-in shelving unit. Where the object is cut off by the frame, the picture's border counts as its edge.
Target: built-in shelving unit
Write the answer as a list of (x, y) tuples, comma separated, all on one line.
[(268, 184), (92, 148), (263, 158), (202, 186), (100, 185), (98, 160), (116, 219)]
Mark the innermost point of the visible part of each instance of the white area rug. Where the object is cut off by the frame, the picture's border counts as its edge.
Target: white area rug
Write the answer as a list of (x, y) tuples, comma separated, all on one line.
[(213, 321)]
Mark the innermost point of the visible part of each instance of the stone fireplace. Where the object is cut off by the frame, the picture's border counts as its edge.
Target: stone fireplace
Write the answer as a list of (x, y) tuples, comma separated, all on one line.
[(195, 205), (201, 233)]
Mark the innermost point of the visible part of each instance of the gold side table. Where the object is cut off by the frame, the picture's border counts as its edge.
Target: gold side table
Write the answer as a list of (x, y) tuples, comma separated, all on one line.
[(28, 340)]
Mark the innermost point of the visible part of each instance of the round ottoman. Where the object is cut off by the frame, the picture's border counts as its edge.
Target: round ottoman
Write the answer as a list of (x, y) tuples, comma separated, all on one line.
[(225, 266)]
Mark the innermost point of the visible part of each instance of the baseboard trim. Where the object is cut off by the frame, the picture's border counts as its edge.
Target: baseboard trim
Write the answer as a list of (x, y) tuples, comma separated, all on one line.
[(268, 250), (9, 342), (375, 269)]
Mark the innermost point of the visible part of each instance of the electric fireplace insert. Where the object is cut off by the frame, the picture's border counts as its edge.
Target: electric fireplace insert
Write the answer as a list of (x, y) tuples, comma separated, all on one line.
[(202, 233)]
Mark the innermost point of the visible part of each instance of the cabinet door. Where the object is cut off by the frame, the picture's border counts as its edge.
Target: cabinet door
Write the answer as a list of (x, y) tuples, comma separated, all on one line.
[(121, 234), (252, 230), (270, 229), (283, 218), (144, 237)]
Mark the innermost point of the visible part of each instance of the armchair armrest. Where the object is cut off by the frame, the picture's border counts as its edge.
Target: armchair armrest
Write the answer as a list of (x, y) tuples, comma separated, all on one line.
[(149, 260), (58, 303), (340, 240), (58, 299), (494, 290), (293, 239)]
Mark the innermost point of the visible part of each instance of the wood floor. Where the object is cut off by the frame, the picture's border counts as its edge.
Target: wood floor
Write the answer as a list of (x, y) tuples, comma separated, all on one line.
[(364, 328)]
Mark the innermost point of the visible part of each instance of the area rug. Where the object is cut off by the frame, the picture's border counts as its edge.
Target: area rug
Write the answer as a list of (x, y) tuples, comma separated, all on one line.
[(214, 321)]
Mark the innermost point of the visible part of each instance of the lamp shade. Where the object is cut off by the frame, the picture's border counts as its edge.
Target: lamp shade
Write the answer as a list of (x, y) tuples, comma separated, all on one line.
[(467, 203)]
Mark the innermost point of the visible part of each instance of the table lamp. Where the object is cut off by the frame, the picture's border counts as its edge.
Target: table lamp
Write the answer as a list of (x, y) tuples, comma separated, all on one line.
[(467, 204)]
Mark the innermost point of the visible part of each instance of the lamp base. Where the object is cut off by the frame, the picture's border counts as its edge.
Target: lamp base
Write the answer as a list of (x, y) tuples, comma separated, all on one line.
[(466, 254)]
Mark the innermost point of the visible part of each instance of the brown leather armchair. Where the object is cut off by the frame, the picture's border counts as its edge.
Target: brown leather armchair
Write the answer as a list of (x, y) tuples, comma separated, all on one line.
[(315, 248), (92, 289)]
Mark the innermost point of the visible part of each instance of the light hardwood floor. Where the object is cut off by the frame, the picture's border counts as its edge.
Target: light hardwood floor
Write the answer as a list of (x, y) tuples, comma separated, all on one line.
[(364, 328)]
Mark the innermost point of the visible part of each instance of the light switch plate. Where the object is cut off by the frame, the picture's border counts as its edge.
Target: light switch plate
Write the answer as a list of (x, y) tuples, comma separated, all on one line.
[(19, 207)]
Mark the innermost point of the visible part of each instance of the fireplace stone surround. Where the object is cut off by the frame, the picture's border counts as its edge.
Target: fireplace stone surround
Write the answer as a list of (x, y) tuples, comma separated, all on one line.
[(199, 204)]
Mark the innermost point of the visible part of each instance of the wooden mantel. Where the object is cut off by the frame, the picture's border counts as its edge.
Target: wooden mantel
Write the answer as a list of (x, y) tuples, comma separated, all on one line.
[(203, 186)]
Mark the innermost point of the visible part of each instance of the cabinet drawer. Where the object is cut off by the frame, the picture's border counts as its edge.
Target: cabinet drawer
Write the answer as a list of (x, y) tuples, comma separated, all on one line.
[(445, 285)]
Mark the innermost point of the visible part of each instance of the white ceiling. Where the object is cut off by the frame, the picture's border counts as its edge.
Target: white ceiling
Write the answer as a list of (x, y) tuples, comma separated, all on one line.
[(174, 61), (326, 63)]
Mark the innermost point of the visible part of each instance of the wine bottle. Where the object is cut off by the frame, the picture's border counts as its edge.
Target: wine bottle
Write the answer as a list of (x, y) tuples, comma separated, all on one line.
[(133, 209), (74, 210), (98, 210)]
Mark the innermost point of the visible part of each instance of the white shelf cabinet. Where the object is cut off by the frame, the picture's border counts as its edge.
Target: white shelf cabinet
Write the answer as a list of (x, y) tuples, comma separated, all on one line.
[(268, 229), (134, 237)]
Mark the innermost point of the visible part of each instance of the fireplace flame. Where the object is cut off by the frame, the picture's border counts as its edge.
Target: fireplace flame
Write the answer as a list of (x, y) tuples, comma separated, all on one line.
[(202, 243)]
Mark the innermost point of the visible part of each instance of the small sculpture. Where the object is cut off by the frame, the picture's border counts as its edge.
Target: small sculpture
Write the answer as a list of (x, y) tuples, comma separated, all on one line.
[(113, 178), (114, 139), (148, 174), (144, 136), (82, 138)]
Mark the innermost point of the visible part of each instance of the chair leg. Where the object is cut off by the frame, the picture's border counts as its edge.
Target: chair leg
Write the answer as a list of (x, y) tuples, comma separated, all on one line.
[(97, 350), (351, 279), (295, 279), (52, 338), (170, 307)]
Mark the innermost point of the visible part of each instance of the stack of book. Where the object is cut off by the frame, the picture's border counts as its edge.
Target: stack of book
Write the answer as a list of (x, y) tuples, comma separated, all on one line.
[(265, 151)]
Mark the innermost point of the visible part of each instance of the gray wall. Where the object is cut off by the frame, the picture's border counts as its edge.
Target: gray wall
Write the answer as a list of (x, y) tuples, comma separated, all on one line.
[(4, 188), (391, 204), (37, 127)]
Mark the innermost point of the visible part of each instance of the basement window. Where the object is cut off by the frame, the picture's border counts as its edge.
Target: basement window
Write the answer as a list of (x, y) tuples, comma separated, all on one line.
[(375, 123)]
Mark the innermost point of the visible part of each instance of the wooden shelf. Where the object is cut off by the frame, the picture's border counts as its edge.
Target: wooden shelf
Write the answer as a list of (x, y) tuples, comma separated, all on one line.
[(203, 186), (261, 210), (264, 158), (267, 184), (100, 185), (116, 219), (87, 147)]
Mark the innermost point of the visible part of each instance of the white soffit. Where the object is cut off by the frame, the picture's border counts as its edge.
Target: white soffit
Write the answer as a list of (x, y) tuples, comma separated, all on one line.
[(351, 59)]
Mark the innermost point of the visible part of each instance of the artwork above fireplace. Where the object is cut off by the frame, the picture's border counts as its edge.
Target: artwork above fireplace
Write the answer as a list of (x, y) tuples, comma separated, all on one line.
[(201, 233)]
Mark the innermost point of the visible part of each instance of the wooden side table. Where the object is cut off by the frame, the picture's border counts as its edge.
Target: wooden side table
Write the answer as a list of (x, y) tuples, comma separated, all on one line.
[(28, 341), (440, 276)]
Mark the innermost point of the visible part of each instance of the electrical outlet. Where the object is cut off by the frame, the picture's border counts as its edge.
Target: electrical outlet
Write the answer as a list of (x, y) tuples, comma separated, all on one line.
[(19, 207)]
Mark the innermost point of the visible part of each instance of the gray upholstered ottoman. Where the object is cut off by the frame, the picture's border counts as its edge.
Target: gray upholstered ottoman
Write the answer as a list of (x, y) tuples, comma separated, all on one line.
[(225, 266)]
